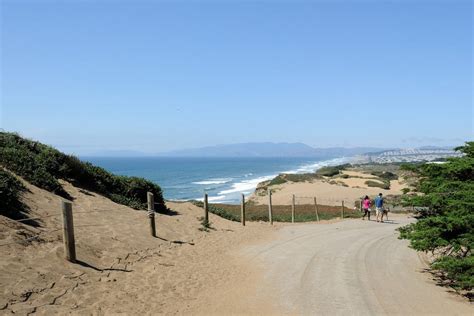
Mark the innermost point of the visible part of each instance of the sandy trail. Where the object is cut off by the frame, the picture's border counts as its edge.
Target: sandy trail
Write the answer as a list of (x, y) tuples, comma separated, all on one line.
[(351, 267)]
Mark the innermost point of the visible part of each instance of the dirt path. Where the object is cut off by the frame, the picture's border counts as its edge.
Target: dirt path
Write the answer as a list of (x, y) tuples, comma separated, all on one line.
[(352, 267)]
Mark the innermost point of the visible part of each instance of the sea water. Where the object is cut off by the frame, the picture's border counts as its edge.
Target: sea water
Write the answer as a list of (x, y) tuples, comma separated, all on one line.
[(223, 179)]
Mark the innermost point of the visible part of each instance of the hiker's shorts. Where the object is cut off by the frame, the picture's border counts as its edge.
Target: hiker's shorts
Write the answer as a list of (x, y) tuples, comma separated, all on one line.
[(379, 210)]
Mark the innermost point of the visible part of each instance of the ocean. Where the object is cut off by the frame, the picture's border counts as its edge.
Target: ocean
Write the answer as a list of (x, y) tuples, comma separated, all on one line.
[(223, 179)]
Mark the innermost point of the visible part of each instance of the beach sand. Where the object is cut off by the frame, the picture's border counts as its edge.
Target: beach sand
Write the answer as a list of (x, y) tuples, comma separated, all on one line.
[(284, 269), (350, 190), (122, 269)]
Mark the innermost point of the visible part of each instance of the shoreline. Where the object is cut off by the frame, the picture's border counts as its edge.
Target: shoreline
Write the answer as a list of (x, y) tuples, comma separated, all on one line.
[(248, 187)]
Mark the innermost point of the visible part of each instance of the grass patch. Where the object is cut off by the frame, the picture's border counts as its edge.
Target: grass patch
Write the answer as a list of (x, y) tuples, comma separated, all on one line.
[(281, 213), (206, 225), (220, 211)]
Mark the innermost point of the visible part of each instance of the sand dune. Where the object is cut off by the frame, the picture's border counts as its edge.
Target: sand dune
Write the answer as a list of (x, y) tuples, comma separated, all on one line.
[(350, 190), (326, 193), (319, 268), (121, 269)]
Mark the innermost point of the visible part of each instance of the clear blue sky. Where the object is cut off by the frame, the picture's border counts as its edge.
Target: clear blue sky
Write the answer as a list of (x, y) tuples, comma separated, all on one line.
[(152, 76)]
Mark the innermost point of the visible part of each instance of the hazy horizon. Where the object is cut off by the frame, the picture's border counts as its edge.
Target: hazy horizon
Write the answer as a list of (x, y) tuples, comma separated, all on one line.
[(160, 76)]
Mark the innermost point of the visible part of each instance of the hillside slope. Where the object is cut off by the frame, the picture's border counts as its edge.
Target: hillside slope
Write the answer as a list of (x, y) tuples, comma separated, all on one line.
[(121, 268), (44, 166)]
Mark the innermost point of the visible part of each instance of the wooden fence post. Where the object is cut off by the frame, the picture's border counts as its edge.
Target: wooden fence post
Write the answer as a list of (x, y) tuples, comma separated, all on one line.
[(316, 209), (242, 210), (293, 209), (206, 209), (68, 232), (270, 210), (151, 212), (342, 210)]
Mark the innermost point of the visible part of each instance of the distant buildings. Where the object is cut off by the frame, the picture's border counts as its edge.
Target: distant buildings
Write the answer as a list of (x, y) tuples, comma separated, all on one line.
[(412, 155)]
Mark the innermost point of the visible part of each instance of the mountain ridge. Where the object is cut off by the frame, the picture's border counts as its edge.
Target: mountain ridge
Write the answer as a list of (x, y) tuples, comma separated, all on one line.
[(259, 149), (268, 149)]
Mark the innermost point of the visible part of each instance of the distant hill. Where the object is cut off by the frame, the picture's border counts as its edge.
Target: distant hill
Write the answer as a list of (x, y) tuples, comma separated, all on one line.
[(268, 149), (118, 153)]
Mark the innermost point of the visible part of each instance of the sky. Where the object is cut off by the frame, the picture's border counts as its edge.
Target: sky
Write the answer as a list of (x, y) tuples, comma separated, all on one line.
[(153, 76)]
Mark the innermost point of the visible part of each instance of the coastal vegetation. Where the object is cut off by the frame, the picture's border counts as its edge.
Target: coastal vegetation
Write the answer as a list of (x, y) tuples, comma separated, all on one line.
[(331, 171), (445, 227), (44, 167), (281, 213), (292, 177), (10, 191), (386, 175), (376, 175), (376, 184)]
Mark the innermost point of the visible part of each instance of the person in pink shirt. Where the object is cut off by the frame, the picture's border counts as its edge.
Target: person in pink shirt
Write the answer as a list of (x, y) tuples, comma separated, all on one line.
[(366, 203)]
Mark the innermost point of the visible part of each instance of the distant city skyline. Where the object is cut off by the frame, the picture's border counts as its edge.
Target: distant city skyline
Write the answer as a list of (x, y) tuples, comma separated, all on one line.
[(89, 76)]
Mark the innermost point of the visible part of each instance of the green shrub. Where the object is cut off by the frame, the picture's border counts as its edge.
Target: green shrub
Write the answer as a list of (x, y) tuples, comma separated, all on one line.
[(331, 171), (10, 191), (43, 165), (277, 180), (375, 184), (301, 177), (284, 178), (448, 225), (386, 175)]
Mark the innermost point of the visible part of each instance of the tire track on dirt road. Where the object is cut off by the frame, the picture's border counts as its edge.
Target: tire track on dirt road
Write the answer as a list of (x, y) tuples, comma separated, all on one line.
[(351, 267)]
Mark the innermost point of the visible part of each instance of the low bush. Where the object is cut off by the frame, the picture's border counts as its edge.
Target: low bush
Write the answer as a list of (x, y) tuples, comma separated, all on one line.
[(277, 180), (293, 177), (386, 175), (331, 171), (302, 177), (10, 191), (376, 184), (43, 165)]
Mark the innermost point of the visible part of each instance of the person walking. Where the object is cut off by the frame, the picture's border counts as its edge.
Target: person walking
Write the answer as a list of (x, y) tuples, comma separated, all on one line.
[(366, 207), (379, 207)]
